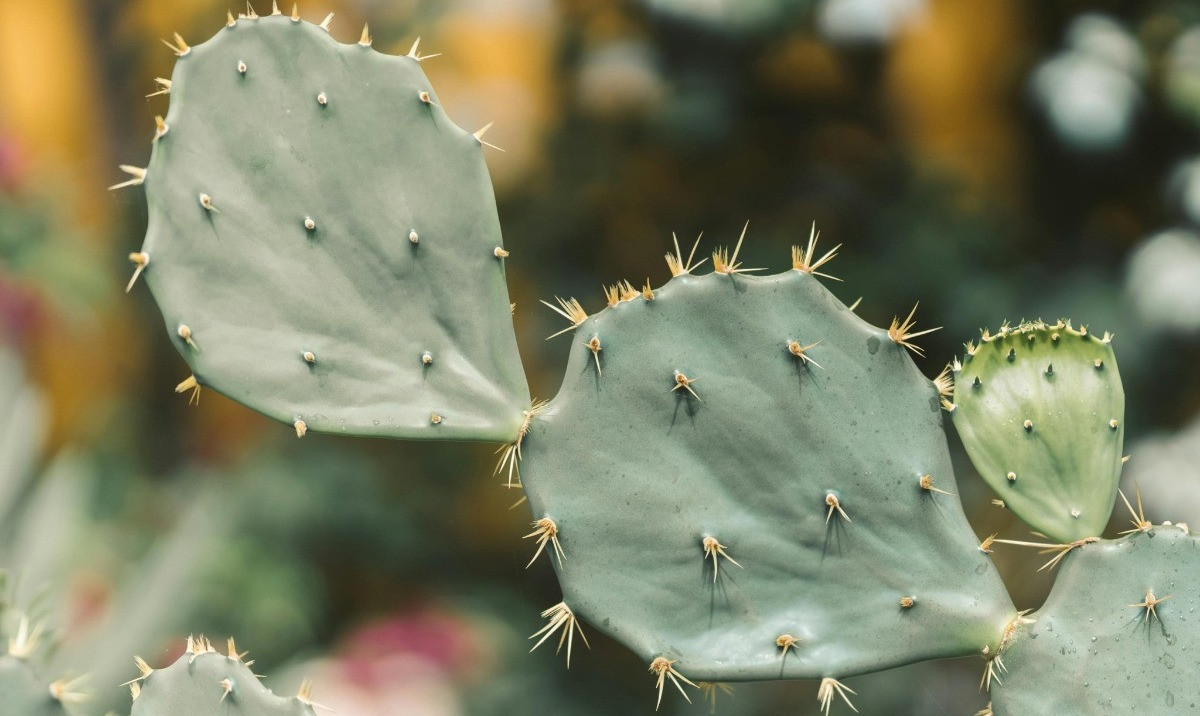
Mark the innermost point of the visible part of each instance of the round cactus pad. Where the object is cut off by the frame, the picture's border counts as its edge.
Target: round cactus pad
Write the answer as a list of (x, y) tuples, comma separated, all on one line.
[(323, 241)]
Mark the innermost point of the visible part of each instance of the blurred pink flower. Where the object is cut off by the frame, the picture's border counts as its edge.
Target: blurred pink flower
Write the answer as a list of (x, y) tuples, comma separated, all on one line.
[(420, 660)]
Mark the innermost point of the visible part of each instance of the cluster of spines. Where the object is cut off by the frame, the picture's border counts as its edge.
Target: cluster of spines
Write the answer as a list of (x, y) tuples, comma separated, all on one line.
[(1031, 329), (901, 332)]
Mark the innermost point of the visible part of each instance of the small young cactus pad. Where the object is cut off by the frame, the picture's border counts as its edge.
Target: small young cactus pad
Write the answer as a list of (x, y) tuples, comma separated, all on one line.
[(318, 227), (1040, 410), (1118, 634), (708, 440), (204, 682)]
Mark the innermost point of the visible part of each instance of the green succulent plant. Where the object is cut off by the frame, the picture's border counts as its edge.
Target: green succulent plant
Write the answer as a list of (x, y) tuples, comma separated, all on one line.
[(739, 479)]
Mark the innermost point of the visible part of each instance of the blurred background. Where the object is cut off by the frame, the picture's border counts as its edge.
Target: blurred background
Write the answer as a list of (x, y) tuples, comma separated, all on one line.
[(995, 159)]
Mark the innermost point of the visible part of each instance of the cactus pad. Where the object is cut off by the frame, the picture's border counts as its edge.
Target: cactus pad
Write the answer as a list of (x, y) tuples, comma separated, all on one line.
[(1040, 410), (323, 240), (748, 481), (1118, 633), (204, 682), (22, 692), (22, 688)]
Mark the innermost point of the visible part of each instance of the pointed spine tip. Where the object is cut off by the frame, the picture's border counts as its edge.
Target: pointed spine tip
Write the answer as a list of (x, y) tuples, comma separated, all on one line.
[(478, 134), (179, 47), (138, 174)]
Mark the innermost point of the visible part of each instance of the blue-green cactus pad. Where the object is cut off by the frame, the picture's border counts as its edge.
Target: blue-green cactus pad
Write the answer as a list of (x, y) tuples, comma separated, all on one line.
[(1092, 651), (636, 474), (320, 161), (23, 692)]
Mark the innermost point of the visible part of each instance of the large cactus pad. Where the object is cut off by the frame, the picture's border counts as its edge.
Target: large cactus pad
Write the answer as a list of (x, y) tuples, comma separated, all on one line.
[(1040, 409), (323, 240), (756, 420), (1118, 634)]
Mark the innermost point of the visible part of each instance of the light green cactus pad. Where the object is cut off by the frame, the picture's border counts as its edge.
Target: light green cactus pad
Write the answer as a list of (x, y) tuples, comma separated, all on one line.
[(1040, 410), (695, 429), (1097, 647), (204, 682), (323, 240)]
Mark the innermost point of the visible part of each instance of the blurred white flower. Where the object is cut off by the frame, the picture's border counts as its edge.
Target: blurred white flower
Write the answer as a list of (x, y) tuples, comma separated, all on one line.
[(1103, 39), (1181, 75), (1089, 105), (1162, 278), (1183, 189), (866, 21), (1089, 92), (620, 79), (398, 681), (1164, 469), (731, 15)]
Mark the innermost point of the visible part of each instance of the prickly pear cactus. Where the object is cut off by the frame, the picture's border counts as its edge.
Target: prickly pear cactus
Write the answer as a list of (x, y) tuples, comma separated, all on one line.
[(741, 479), (1118, 634), (1040, 410), (323, 240), (203, 682)]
